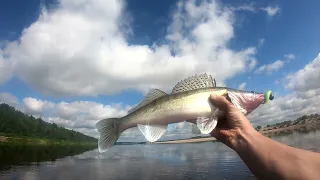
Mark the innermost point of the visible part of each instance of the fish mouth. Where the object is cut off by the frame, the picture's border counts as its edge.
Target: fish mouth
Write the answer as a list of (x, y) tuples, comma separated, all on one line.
[(246, 102)]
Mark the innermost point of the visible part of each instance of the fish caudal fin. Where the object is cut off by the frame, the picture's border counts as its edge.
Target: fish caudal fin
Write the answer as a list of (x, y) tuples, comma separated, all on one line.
[(152, 132), (109, 133)]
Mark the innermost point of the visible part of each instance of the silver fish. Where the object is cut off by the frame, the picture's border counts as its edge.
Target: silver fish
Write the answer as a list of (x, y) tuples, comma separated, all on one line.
[(188, 101)]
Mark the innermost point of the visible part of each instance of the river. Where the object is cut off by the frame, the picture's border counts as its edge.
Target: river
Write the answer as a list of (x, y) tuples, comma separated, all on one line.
[(209, 160)]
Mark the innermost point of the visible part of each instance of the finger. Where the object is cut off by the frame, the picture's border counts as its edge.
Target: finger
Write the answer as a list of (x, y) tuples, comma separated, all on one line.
[(222, 122), (215, 133), (219, 101)]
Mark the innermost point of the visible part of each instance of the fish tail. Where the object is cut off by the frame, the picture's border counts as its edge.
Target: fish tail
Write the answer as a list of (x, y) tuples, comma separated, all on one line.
[(109, 132)]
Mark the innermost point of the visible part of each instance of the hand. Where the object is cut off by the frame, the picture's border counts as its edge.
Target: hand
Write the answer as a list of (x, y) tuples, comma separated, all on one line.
[(232, 124)]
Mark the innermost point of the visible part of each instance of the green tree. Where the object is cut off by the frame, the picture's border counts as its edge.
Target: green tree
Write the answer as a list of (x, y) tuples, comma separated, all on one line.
[(15, 122)]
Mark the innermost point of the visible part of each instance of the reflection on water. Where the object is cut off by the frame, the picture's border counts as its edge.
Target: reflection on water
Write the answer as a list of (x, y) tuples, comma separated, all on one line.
[(157, 161), (12, 154)]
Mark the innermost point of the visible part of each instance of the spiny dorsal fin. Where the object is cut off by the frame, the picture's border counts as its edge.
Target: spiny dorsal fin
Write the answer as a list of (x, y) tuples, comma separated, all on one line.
[(194, 82), (151, 95)]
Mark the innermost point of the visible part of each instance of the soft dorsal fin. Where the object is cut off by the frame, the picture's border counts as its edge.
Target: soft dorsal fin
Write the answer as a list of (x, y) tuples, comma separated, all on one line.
[(151, 95), (194, 82)]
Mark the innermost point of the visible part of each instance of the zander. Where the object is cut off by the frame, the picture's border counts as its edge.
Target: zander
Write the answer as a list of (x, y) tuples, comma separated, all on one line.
[(188, 101)]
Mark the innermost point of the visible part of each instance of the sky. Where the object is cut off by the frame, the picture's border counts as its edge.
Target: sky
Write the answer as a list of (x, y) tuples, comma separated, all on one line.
[(74, 62)]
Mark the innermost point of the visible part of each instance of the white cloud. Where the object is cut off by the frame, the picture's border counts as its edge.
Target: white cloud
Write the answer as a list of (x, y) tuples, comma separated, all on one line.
[(275, 66), (246, 7), (80, 48), (82, 115), (304, 100), (290, 56), (269, 68), (5, 68), (35, 106), (242, 86), (271, 10), (261, 42), (307, 78), (252, 7), (288, 107), (78, 115), (8, 98)]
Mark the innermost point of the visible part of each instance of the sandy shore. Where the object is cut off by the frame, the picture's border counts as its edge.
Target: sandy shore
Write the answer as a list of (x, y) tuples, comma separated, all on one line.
[(206, 139)]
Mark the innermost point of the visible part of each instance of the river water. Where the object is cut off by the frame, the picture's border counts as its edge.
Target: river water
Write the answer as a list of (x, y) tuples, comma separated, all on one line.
[(209, 160)]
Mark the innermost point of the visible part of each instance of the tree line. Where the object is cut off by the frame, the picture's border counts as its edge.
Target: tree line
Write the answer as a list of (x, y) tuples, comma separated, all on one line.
[(300, 120), (16, 123)]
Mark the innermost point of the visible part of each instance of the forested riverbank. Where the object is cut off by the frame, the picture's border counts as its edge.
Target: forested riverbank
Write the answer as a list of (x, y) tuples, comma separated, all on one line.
[(17, 127)]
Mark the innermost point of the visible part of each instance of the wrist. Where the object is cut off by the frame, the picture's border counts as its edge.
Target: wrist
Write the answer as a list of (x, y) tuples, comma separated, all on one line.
[(243, 139)]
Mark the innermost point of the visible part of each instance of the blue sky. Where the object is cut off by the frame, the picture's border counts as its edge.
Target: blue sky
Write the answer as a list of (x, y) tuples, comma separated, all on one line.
[(74, 62)]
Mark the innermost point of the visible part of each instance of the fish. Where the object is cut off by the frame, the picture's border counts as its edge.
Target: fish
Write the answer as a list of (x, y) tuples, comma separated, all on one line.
[(189, 101)]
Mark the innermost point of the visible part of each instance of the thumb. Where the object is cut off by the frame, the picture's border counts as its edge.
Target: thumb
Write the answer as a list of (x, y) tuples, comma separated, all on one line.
[(219, 101)]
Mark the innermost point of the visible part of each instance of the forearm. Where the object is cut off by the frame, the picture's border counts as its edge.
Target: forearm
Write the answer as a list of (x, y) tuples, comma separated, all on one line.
[(269, 159)]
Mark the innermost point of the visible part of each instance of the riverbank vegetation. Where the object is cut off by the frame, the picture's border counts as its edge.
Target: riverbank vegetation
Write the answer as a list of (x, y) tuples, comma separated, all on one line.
[(18, 127), (301, 121)]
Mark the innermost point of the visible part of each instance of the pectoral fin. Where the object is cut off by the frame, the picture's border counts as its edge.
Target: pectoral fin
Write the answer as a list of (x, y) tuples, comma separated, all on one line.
[(152, 132), (207, 124)]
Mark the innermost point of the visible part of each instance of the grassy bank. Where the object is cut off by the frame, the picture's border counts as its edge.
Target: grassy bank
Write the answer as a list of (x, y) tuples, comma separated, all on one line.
[(11, 139)]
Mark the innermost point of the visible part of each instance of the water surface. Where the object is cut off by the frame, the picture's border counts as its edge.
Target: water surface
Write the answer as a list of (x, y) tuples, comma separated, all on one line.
[(157, 161)]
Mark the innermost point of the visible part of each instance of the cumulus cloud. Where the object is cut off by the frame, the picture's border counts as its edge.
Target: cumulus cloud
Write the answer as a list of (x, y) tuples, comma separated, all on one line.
[(83, 114), (269, 68), (81, 48), (8, 98), (288, 107), (5, 68), (88, 110), (275, 66), (306, 78), (272, 11), (35, 106), (242, 86), (305, 98), (78, 115), (290, 56)]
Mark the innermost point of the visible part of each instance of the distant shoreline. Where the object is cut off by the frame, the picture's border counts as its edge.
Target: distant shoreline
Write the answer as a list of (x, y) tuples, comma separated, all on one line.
[(293, 127), (38, 141), (191, 140), (264, 131)]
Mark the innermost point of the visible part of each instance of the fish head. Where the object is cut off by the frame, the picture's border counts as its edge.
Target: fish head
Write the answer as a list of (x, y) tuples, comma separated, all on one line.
[(247, 101)]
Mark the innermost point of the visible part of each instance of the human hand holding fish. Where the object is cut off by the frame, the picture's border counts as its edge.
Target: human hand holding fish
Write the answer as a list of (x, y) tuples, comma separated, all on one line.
[(231, 123), (197, 100), (189, 101)]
